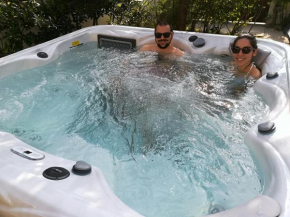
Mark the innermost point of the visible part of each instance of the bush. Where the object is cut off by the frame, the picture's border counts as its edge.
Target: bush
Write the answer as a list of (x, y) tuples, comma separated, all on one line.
[(26, 23), (17, 20)]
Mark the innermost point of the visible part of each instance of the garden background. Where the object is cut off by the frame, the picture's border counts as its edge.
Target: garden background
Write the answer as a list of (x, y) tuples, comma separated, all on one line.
[(31, 22)]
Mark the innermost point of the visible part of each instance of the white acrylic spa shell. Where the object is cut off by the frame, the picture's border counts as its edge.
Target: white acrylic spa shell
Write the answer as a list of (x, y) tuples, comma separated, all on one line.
[(25, 192)]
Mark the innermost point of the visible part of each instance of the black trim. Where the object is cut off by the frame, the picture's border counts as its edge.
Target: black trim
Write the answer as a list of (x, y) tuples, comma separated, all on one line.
[(76, 45), (272, 75), (42, 55), (108, 38), (56, 173)]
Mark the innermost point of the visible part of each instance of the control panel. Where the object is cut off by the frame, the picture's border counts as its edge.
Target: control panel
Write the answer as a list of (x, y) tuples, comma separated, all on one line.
[(27, 153)]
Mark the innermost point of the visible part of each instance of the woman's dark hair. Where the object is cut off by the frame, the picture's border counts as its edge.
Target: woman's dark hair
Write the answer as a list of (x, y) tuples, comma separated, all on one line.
[(163, 23), (250, 37)]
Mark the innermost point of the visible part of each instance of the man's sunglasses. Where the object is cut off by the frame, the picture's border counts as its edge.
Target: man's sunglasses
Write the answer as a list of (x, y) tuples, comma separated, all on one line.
[(245, 50), (165, 34)]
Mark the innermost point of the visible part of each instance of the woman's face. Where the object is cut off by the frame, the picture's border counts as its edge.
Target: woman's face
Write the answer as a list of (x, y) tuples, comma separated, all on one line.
[(243, 59)]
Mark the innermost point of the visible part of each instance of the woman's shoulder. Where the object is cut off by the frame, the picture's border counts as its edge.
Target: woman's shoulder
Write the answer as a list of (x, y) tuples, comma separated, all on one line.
[(256, 72)]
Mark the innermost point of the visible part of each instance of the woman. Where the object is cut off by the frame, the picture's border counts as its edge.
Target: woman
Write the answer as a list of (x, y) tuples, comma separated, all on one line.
[(244, 48)]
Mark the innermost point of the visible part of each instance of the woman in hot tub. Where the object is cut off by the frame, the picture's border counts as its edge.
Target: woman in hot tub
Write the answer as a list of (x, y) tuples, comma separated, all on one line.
[(244, 48)]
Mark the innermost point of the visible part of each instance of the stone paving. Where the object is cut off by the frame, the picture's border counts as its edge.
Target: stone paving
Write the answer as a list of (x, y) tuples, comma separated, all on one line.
[(269, 33), (261, 30)]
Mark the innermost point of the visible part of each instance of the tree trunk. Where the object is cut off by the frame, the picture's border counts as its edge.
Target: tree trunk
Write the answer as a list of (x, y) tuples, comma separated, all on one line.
[(94, 21), (183, 9), (275, 13)]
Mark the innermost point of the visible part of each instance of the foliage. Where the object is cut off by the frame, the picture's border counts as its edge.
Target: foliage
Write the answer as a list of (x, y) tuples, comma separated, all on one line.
[(209, 16), (241, 13), (57, 18), (212, 15), (17, 18), (25, 23), (93, 9), (139, 13), (202, 15), (280, 14)]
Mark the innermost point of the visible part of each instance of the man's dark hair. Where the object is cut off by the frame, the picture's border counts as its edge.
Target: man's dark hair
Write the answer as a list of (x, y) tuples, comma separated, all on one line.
[(163, 23)]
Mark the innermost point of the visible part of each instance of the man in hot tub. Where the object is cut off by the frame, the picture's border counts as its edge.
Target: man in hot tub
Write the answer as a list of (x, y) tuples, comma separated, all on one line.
[(163, 37)]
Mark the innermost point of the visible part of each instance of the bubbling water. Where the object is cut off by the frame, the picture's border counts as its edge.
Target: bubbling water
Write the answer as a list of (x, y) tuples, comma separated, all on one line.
[(167, 132)]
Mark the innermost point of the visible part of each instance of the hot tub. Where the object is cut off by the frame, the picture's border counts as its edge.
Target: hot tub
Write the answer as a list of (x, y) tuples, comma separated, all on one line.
[(25, 192)]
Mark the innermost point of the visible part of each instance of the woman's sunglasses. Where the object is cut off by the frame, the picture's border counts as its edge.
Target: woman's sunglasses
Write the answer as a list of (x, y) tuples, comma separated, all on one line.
[(165, 34), (245, 50)]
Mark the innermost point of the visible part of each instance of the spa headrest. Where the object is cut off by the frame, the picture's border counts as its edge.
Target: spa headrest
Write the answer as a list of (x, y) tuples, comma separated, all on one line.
[(261, 56), (199, 42), (196, 41)]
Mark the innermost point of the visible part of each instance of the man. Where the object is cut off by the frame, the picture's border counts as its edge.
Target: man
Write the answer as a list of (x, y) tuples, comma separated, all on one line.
[(163, 37)]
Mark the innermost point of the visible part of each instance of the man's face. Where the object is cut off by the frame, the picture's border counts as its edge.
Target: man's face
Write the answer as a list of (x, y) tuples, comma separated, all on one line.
[(162, 40)]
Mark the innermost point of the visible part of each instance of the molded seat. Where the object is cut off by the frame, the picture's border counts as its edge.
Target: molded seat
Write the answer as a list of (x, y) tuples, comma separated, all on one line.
[(261, 56)]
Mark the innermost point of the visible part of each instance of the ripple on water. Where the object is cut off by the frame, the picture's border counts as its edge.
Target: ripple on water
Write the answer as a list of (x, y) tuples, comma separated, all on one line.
[(167, 133)]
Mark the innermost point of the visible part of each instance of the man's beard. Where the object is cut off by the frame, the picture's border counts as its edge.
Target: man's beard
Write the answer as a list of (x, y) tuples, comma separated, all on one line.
[(166, 45)]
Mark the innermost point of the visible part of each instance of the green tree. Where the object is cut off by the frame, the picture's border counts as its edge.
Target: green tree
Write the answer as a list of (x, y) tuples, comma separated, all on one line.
[(212, 15), (93, 9), (17, 18), (25, 23), (280, 11), (58, 18), (208, 15), (144, 13), (241, 12)]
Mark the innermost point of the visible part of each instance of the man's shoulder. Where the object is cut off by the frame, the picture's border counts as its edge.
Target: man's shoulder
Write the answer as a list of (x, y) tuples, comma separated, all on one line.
[(178, 52), (148, 47), (169, 50)]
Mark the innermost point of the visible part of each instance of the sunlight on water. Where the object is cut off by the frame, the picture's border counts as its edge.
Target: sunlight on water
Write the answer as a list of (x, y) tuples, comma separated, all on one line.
[(167, 133)]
